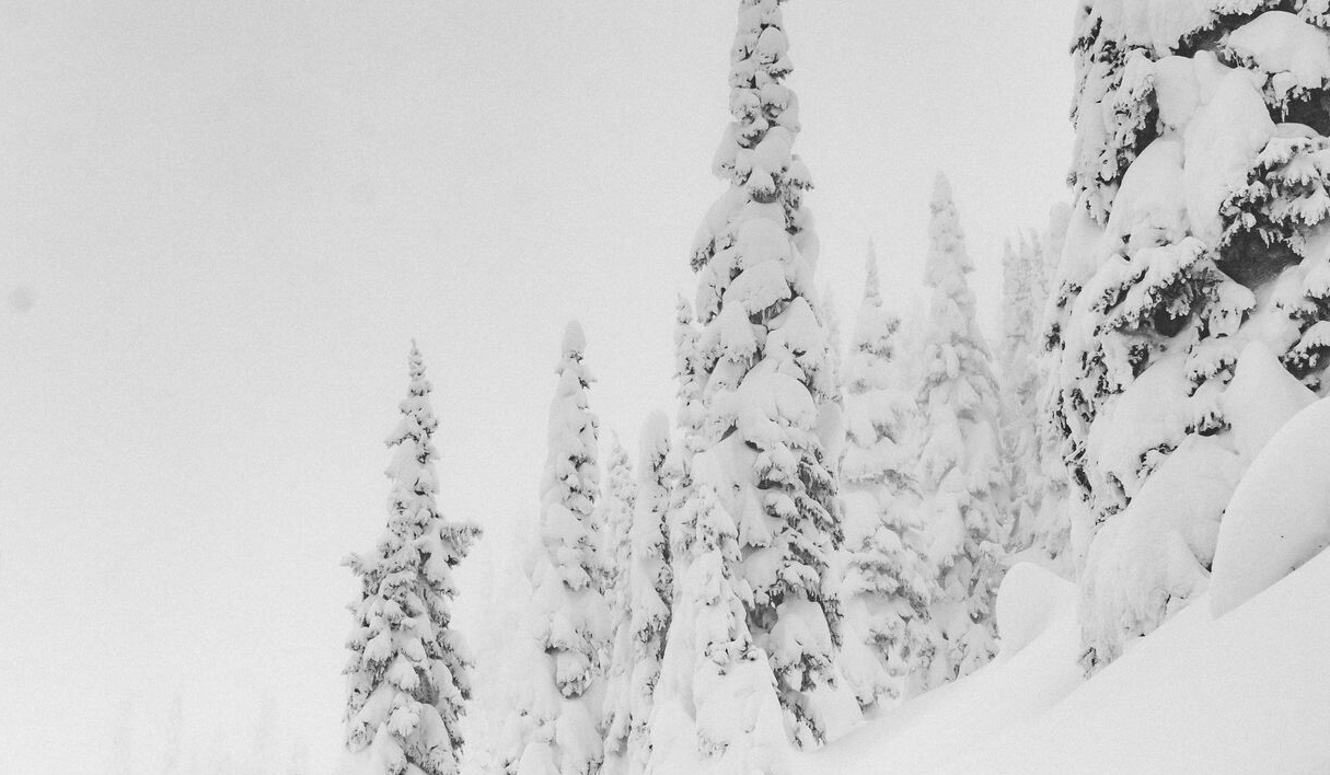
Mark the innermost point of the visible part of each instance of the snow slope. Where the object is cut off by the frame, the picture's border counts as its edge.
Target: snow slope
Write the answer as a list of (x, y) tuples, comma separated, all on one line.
[(926, 734), (1279, 517), (1240, 694)]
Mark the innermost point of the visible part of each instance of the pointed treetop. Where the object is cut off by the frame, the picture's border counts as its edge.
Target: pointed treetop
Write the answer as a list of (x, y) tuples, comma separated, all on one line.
[(655, 435), (941, 189), (618, 455), (416, 368), (872, 286), (946, 251), (574, 341)]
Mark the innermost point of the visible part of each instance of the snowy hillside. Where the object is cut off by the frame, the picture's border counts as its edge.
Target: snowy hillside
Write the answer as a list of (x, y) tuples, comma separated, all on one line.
[(1051, 497), (1239, 694)]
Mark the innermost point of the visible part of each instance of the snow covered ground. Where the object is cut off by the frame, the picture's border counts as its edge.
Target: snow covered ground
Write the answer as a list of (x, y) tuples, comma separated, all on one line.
[(1243, 693)]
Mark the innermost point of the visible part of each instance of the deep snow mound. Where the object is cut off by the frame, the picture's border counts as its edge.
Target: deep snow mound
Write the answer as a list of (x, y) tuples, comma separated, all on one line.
[(1030, 600), (1279, 517)]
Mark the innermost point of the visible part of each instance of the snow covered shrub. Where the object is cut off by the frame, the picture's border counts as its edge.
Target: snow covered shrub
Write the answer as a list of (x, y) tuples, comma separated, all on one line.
[(1199, 227), (960, 460), (409, 673)]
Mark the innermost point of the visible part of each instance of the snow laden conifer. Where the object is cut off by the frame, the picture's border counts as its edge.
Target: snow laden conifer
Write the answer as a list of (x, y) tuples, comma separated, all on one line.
[(1053, 525), (1200, 226), (960, 460), (409, 671), (715, 706), (1037, 514), (688, 373), (768, 390), (554, 728), (618, 505), (889, 583), (830, 318), (651, 585)]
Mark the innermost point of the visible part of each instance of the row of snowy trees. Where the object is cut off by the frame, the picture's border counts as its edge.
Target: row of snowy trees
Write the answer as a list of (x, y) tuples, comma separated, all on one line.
[(793, 552), (816, 536), (813, 538)]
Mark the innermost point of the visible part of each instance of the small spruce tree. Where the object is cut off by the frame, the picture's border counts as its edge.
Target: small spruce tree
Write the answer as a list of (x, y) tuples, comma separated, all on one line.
[(651, 584), (889, 583), (1021, 385), (960, 461), (409, 670), (554, 728), (618, 505)]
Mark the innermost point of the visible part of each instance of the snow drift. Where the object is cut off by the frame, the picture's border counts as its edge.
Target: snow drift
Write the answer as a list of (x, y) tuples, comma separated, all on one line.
[(1279, 517), (1240, 694)]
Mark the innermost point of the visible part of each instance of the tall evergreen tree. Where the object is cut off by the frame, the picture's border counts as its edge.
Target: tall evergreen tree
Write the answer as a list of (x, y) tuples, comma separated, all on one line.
[(554, 727), (889, 583), (960, 459), (1200, 202), (767, 387), (409, 671)]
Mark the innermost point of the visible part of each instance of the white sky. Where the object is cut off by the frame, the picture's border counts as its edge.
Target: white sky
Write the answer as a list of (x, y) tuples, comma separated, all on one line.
[(221, 223)]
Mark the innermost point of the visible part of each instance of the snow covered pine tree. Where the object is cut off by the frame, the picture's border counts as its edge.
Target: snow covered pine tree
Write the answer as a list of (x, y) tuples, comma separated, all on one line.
[(1038, 514), (1200, 180), (889, 583), (409, 672), (618, 506), (554, 726), (960, 458), (651, 584), (760, 498)]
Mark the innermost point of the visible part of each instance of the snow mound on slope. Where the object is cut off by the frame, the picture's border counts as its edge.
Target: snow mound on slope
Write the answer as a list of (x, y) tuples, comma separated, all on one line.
[(1241, 694), (929, 732), (1030, 600), (1231, 696), (1279, 517), (1262, 397), (1150, 560)]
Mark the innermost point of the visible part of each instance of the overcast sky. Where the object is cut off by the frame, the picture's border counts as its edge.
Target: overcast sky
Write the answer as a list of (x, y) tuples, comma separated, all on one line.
[(222, 222)]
